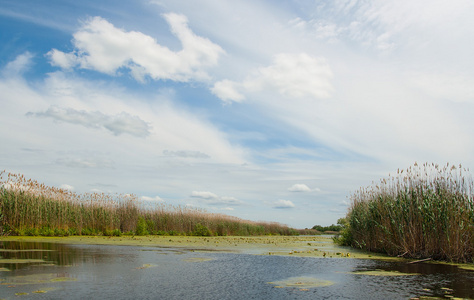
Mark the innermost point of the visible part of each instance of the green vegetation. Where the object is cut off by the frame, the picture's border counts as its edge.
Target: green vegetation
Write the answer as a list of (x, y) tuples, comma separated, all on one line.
[(425, 212), (330, 228), (30, 208)]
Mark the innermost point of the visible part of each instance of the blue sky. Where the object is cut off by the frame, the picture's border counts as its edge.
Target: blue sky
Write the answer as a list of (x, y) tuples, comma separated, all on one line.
[(264, 110)]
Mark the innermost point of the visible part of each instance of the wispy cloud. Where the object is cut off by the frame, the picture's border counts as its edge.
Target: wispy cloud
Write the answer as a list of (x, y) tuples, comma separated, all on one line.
[(18, 66), (122, 123), (101, 46), (86, 162), (212, 199), (185, 154)]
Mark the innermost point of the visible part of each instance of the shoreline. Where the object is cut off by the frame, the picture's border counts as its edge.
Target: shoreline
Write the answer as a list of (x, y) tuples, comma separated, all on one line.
[(301, 246)]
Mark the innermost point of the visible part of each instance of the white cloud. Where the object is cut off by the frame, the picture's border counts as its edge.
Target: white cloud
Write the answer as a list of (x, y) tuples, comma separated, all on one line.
[(185, 154), (67, 187), (203, 195), (291, 75), (152, 199), (226, 90), (299, 187), (214, 200), (100, 46), (18, 66), (63, 60), (83, 162), (116, 124), (283, 204)]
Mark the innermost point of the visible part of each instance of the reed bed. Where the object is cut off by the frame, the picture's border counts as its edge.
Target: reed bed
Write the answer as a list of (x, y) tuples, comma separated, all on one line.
[(425, 211), (31, 208)]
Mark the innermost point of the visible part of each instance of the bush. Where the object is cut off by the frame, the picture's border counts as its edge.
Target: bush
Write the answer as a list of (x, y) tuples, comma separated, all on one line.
[(141, 227), (201, 230)]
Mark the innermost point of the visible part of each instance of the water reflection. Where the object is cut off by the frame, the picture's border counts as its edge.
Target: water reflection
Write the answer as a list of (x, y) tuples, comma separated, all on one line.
[(124, 272)]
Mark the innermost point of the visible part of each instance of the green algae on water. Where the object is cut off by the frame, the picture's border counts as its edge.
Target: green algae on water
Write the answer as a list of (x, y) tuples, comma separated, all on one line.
[(301, 282), (146, 266), (197, 259), (36, 279), (382, 273), (20, 261)]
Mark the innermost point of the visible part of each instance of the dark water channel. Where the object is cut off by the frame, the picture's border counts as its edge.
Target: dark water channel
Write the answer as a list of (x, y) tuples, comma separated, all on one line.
[(55, 271)]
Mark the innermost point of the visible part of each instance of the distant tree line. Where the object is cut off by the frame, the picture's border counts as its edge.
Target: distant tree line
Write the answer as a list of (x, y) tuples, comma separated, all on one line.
[(333, 227)]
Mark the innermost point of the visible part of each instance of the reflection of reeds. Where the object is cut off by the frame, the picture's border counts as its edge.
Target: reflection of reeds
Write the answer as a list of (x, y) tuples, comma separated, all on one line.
[(428, 211), (30, 208)]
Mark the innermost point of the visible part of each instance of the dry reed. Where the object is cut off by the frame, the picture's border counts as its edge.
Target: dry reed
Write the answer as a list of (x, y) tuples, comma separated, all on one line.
[(30, 208)]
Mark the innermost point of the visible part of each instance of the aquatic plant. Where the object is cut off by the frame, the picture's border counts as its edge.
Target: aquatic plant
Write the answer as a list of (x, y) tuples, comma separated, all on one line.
[(28, 207), (423, 212)]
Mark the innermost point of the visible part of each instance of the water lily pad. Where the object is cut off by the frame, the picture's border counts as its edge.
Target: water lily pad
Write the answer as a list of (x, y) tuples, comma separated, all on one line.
[(302, 282)]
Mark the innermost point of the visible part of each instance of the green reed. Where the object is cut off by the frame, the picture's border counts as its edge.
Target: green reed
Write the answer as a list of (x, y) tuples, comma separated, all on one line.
[(30, 208), (423, 212)]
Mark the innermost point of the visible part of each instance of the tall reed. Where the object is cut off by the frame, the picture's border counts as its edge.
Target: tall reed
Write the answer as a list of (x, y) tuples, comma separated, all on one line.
[(423, 212), (30, 208)]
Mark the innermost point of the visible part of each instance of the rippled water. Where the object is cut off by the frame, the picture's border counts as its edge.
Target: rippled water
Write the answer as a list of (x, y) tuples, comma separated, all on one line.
[(125, 272)]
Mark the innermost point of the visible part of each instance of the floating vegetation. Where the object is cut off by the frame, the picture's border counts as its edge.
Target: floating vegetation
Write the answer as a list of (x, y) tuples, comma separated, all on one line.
[(197, 259), (21, 294), (382, 273), (36, 279), (468, 267), (4, 270), (146, 266), (301, 282), (20, 261)]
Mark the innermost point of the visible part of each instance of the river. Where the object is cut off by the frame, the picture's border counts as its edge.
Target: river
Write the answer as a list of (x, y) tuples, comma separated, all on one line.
[(38, 270)]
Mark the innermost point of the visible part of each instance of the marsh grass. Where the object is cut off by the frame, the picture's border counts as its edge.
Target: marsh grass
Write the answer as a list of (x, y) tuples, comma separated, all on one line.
[(423, 212), (31, 208)]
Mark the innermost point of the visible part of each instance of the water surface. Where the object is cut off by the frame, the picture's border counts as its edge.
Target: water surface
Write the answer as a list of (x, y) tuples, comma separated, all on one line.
[(33, 270)]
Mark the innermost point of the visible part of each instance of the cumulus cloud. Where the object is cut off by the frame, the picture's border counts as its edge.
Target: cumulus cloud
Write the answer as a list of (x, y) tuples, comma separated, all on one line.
[(67, 187), (185, 154), (101, 46), (283, 204), (291, 75), (299, 188), (118, 124)]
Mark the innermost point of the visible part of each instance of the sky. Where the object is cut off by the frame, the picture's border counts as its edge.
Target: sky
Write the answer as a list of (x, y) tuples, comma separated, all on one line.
[(270, 111)]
